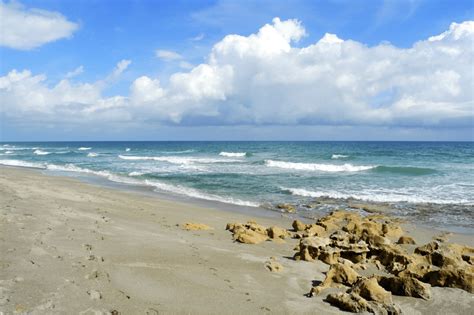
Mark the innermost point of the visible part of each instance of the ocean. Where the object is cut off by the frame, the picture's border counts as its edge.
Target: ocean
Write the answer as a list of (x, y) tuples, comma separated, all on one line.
[(430, 183)]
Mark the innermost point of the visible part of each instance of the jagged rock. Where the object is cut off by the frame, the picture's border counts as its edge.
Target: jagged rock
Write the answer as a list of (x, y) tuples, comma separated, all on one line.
[(394, 258), (406, 240), (427, 248), (338, 274), (370, 289), (310, 247), (452, 277), (349, 302), (315, 230), (196, 226), (405, 286), (298, 226), (254, 226), (416, 270), (287, 207), (392, 230), (277, 232)]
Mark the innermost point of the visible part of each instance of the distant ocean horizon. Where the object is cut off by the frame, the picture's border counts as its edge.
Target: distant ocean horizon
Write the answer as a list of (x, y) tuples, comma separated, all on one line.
[(431, 182)]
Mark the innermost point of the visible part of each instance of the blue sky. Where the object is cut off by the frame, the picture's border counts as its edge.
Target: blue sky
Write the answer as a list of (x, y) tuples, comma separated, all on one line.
[(103, 33)]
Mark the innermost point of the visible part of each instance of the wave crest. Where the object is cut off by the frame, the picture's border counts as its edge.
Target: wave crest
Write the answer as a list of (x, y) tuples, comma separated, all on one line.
[(176, 159), (84, 148), (318, 167), (40, 152), (339, 156), (233, 154)]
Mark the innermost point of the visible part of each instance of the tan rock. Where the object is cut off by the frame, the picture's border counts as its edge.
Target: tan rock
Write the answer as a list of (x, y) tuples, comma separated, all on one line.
[(349, 302), (248, 236), (406, 240), (392, 230), (277, 232), (338, 274), (315, 230), (452, 278), (298, 226), (427, 248), (196, 226), (370, 289), (405, 286)]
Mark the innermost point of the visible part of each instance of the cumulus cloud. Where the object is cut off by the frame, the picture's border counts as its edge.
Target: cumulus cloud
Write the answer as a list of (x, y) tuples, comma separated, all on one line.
[(26, 29), (264, 79), (168, 55)]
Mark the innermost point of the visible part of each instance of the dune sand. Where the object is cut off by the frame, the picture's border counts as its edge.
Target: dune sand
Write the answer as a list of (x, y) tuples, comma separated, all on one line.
[(71, 247)]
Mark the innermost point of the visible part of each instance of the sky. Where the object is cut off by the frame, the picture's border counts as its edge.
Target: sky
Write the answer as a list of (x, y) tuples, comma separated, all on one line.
[(236, 70)]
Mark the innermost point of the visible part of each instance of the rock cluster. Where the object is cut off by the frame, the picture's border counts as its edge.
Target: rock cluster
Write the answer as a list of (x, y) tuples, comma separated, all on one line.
[(348, 242), (254, 233)]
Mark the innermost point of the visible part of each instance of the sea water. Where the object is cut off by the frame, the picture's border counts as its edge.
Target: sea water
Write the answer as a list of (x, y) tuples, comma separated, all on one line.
[(430, 182)]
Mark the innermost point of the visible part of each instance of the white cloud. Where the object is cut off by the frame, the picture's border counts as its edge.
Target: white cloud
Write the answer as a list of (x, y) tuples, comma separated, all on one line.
[(74, 73), (198, 37), (30, 28), (263, 79), (185, 65), (168, 55)]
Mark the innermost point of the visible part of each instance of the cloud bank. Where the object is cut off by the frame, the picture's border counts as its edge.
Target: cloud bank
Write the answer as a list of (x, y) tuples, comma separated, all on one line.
[(27, 29), (265, 79)]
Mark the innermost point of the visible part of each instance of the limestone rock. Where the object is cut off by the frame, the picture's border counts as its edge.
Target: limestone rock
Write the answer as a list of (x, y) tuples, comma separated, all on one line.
[(298, 226), (406, 240), (452, 277), (338, 274), (196, 226), (370, 289), (250, 237), (427, 248), (278, 232), (405, 286), (349, 302)]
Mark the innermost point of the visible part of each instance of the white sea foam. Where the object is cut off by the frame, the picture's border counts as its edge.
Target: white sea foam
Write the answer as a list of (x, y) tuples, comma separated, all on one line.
[(8, 152), (22, 164), (40, 152), (176, 159), (177, 152), (318, 167), (84, 148), (233, 154), (92, 154), (374, 196), (127, 150), (136, 173), (190, 192), (338, 156)]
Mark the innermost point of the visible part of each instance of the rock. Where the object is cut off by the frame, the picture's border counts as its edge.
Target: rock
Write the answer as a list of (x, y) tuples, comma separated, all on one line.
[(394, 258), (315, 230), (349, 302), (416, 270), (277, 232), (452, 277), (405, 286), (310, 247), (338, 274), (370, 289), (298, 226), (406, 240), (94, 295), (286, 207), (392, 230), (196, 227), (273, 265), (254, 226), (427, 248), (250, 237)]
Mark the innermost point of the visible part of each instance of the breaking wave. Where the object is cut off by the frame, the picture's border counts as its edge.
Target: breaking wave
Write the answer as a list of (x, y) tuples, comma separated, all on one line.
[(318, 167), (339, 156), (40, 152), (84, 148), (176, 159), (92, 154), (233, 154)]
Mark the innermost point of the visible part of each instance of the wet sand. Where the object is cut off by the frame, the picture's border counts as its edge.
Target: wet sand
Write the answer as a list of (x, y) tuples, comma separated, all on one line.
[(70, 247)]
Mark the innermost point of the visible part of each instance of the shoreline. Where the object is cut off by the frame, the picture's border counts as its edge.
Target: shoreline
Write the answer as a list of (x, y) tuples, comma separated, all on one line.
[(76, 247)]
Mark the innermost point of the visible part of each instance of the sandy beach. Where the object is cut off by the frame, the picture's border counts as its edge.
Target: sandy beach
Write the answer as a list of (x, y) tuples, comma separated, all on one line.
[(69, 247)]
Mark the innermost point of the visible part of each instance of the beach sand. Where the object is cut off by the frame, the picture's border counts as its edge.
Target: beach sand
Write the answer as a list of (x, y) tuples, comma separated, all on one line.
[(71, 247)]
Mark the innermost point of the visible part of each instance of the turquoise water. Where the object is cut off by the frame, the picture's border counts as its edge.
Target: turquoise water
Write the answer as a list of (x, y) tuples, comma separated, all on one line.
[(427, 181)]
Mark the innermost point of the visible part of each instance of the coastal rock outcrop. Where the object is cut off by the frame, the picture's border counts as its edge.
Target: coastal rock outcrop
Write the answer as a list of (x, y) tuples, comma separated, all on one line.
[(254, 233)]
